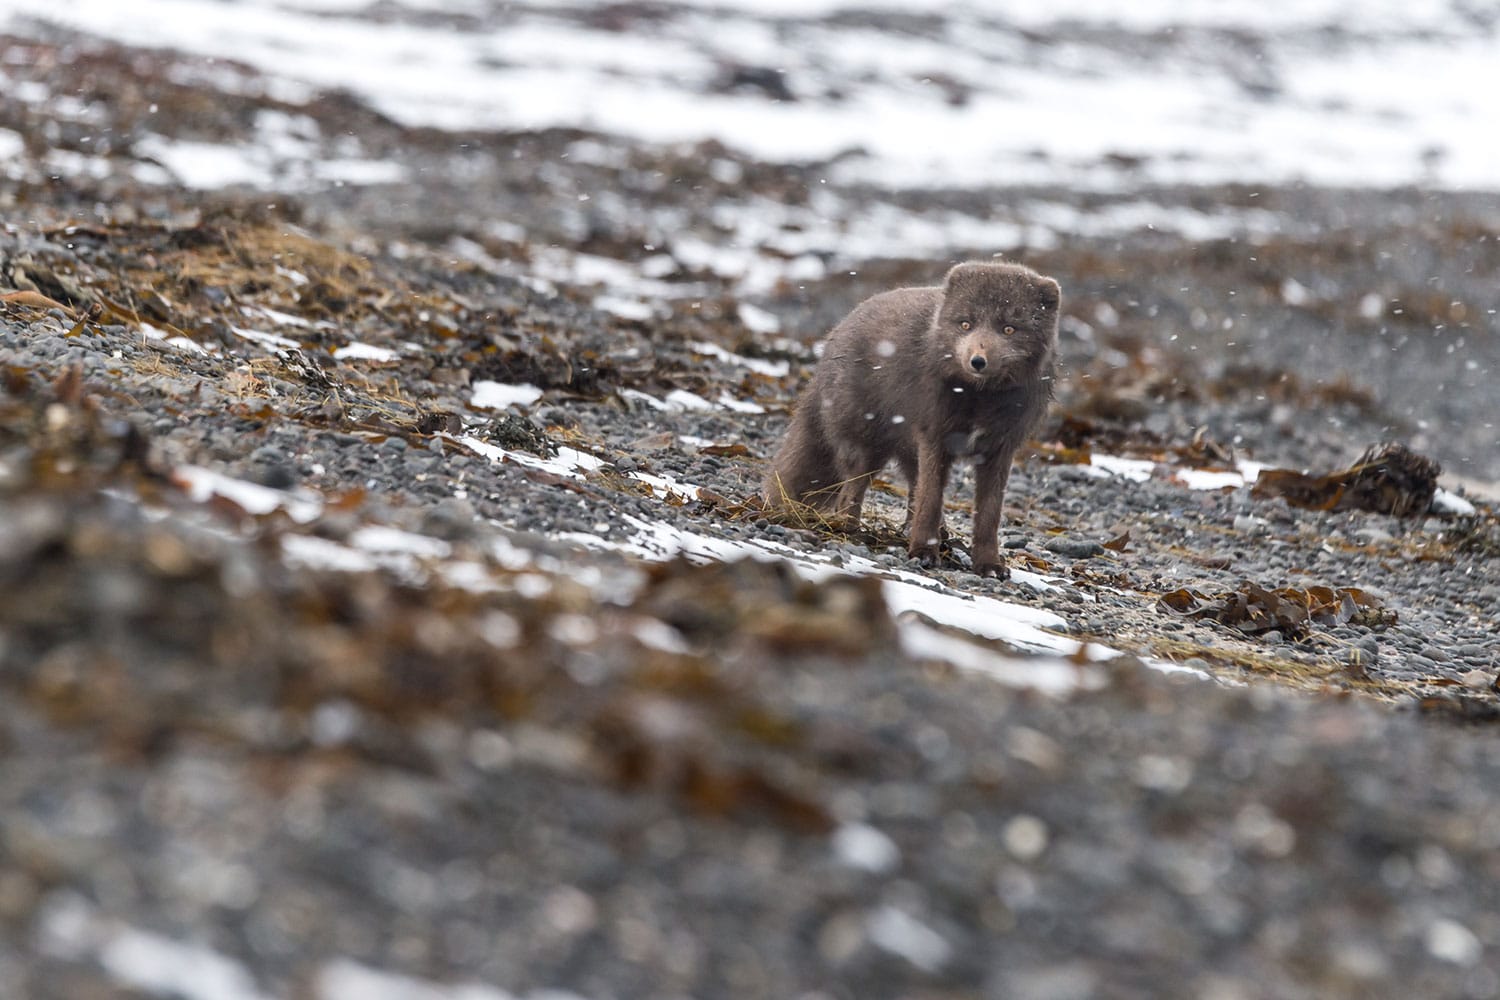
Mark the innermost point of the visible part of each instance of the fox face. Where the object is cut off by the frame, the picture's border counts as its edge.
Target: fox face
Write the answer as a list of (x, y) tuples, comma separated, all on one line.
[(998, 322)]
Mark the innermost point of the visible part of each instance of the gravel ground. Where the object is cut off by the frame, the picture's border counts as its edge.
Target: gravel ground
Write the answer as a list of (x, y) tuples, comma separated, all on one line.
[(269, 751)]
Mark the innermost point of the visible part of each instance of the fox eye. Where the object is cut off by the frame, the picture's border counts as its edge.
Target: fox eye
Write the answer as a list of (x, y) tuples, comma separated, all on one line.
[(1008, 330), (965, 325)]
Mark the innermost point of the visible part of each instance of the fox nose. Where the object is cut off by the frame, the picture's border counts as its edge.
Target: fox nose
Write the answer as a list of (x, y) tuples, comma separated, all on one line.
[(977, 362)]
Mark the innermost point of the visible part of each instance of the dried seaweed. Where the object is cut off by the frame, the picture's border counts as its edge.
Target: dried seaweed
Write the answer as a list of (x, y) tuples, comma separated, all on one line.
[(1388, 479), (1255, 610), (518, 433)]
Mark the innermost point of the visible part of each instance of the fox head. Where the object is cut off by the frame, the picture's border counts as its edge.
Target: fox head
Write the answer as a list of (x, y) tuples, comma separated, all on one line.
[(999, 321)]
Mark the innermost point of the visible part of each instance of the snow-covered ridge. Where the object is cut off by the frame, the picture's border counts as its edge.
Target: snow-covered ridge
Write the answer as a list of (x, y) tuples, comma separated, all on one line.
[(1077, 92)]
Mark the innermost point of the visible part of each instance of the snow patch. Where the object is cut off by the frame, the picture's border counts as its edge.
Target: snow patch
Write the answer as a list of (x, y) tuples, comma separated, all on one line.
[(862, 846), (1451, 504), (357, 351), (155, 964), (1208, 479), (201, 484), (344, 979), (625, 308), (498, 395), (773, 369), (266, 339), (11, 144), (1137, 470), (321, 553), (898, 932), (206, 165), (1050, 676), (1405, 100), (759, 320)]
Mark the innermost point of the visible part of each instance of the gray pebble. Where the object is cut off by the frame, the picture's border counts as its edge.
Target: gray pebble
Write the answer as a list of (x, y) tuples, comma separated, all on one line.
[(1074, 548)]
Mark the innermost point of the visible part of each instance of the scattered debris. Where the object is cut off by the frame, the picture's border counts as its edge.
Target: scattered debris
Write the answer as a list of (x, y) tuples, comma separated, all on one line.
[(1255, 610), (1388, 479), (518, 433)]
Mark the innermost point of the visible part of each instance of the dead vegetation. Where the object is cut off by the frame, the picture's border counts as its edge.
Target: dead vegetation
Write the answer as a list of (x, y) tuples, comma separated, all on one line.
[(1387, 479), (1292, 612)]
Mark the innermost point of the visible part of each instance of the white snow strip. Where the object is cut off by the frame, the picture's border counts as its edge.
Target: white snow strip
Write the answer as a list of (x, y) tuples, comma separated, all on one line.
[(1139, 470), (344, 979), (159, 965), (1017, 624), (1452, 504), (11, 144), (625, 308), (1021, 626), (357, 172), (576, 464), (986, 617), (659, 541), (142, 961), (645, 397), (279, 317), (66, 163), (740, 405), (261, 337), (325, 554), (1051, 676), (569, 461), (759, 320), (467, 575), (499, 395), (862, 846), (357, 351), (377, 538), (896, 931), (181, 343), (681, 399), (201, 484), (774, 369), (207, 165), (413, 557), (1135, 469), (1208, 479), (658, 635)]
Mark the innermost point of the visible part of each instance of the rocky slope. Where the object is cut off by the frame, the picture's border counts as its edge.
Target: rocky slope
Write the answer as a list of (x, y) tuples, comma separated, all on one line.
[(377, 620)]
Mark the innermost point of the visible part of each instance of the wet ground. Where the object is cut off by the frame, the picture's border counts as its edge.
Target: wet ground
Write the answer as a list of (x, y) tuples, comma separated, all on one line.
[(374, 622)]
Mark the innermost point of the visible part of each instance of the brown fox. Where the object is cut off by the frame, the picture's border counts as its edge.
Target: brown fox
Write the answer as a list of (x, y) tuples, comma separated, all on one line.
[(924, 376)]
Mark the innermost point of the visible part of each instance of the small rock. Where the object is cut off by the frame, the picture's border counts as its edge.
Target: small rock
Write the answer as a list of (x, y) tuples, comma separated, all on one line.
[(1479, 680), (451, 518), (1249, 525), (275, 475), (1074, 548)]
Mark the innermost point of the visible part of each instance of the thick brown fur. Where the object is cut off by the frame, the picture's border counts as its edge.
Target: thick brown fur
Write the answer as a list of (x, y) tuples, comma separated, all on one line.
[(924, 376)]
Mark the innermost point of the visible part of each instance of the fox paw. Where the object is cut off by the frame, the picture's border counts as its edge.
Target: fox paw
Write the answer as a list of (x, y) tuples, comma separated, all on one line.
[(998, 570), (927, 555)]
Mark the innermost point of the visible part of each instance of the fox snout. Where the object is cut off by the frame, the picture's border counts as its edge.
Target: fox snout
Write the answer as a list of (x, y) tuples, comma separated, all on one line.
[(982, 353)]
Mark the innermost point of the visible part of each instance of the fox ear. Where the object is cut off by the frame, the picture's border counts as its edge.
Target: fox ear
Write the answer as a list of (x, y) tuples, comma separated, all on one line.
[(954, 273), (1049, 292)]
